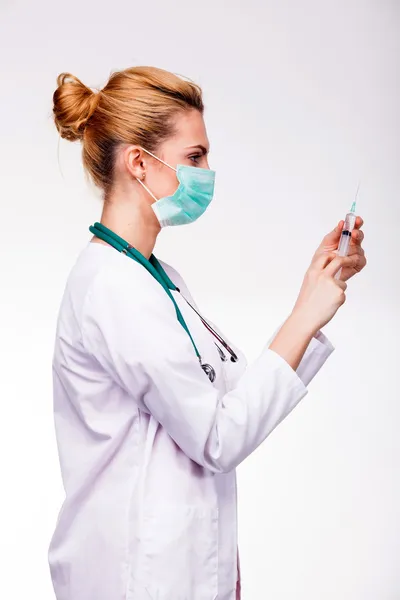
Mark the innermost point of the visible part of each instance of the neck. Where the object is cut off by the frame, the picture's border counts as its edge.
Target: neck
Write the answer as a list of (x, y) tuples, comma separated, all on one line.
[(135, 223)]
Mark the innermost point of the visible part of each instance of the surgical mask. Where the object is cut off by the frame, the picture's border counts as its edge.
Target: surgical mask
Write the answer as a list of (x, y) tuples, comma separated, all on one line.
[(189, 201)]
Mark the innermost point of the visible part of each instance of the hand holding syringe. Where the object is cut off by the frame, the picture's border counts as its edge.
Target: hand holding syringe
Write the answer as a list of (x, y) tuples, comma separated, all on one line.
[(345, 237), (318, 299)]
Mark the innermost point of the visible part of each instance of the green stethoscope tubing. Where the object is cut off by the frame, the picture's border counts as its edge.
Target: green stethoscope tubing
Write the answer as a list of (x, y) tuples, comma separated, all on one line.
[(152, 265)]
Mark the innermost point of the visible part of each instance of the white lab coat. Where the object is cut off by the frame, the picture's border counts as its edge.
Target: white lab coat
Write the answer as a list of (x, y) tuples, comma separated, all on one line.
[(147, 444)]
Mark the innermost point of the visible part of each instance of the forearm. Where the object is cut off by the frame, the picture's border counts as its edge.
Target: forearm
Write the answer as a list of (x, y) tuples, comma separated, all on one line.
[(292, 339)]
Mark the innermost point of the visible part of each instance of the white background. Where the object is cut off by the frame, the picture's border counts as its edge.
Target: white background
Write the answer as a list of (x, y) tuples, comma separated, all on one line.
[(302, 100)]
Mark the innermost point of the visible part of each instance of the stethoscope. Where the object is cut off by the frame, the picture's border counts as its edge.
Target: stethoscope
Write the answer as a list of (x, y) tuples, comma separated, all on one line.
[(154, 267)]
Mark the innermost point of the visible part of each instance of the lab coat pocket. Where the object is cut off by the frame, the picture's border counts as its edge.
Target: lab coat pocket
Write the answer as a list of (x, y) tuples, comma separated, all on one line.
[(179, 551)]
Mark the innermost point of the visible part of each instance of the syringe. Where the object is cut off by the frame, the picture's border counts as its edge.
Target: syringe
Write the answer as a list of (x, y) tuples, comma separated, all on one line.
[(345, 237)]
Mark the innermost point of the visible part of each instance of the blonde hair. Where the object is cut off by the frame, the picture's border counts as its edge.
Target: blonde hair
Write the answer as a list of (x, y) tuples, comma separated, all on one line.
[(136, 106)]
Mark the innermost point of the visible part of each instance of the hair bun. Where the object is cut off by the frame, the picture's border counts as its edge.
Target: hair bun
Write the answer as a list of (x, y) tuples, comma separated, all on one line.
[(73, 105)]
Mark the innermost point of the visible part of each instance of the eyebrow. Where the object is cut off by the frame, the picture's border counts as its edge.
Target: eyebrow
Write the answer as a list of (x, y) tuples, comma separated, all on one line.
[(202, 148)]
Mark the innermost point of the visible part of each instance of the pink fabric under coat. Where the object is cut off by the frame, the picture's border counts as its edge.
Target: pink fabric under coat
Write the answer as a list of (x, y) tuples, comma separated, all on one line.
[(238, 579)]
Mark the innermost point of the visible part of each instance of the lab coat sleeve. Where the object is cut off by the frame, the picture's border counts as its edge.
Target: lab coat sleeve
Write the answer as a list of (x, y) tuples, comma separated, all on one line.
[(316, 354), (138, 340)]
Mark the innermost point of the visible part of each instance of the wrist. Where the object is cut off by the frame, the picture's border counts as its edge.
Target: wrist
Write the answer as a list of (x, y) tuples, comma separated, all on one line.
[(303, 322), (293, 338)]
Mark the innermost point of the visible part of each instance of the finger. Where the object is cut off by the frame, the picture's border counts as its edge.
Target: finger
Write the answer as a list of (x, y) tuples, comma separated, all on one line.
[(357, 236), (340, 261), (321, 259), (356, 249), (358, 255), (341, 284), (358, 223)]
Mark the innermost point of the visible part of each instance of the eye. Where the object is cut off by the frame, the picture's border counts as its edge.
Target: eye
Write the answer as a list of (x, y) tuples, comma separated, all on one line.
[(195, 157)]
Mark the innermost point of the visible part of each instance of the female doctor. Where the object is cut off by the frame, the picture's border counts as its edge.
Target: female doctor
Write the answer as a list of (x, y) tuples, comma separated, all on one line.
[(154, 407)]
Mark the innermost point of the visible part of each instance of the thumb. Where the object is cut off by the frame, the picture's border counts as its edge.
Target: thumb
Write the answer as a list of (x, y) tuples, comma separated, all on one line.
[(333, 237)]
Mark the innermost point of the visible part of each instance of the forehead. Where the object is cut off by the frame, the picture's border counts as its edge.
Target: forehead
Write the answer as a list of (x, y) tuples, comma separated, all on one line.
[(190, 129)]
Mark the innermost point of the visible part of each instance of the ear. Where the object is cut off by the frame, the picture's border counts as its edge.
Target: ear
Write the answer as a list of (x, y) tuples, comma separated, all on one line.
[(134, 158)]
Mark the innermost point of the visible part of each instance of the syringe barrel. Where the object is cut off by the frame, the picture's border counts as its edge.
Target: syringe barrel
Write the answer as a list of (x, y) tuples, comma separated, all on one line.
[(344, 243), (345, 238), (349, 222)]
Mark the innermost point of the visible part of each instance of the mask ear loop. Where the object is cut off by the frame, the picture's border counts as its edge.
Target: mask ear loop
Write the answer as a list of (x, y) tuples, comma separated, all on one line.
[(147, 189), (160, 159)]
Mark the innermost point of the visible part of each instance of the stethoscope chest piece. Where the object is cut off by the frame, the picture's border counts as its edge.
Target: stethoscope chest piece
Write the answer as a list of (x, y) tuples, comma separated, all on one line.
[(209, 371)]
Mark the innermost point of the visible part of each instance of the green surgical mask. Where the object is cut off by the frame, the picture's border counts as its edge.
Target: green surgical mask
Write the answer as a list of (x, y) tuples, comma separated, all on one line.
[(193, 195)]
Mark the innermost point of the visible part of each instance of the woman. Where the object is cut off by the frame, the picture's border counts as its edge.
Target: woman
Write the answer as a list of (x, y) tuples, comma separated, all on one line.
[(154, 407)]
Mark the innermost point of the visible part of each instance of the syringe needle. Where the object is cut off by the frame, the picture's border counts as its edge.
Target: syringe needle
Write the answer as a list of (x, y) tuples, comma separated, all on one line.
[(358, 187), (353, 206)]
